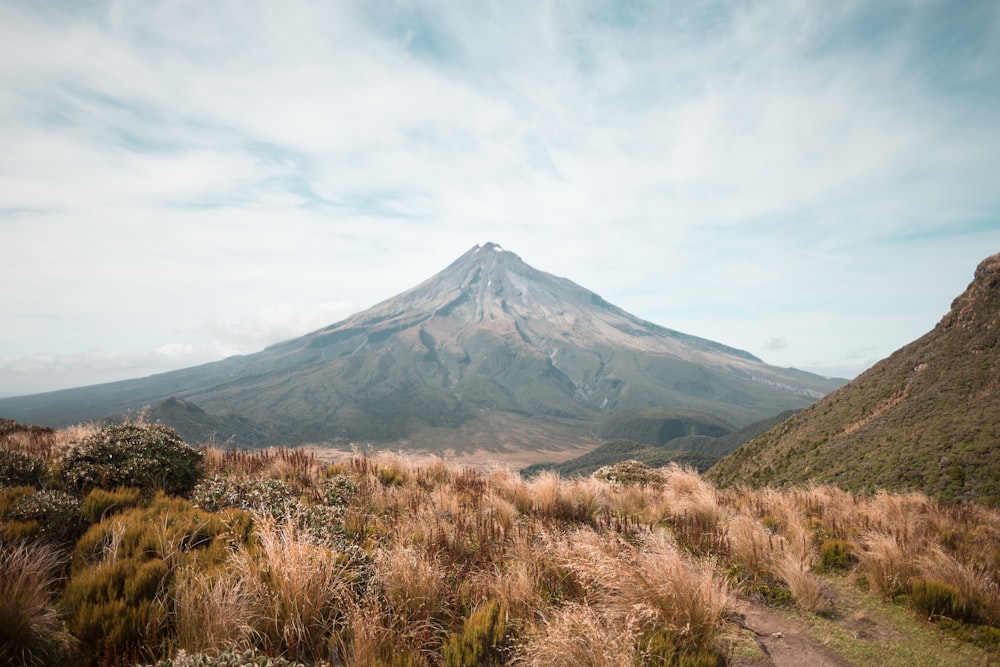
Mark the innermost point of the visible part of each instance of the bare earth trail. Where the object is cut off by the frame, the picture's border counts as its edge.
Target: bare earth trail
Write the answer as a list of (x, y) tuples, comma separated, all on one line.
[(785, 643)]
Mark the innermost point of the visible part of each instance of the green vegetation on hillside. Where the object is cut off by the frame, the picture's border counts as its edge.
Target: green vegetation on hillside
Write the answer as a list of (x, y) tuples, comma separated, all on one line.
[(614, 451), (927, 418), (689, 449), (658, 426)]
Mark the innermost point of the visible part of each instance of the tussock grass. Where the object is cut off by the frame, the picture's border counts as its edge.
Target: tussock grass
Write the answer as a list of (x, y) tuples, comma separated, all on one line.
[(32, 440), (29, 619), (413, 583), (578, 634), (651, 587), (215, 611), (383, 560), (298, 589)]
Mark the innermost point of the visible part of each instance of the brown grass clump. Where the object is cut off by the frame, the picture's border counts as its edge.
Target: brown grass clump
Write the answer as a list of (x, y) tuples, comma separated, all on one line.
[(215, 611), (691, 508), (29, 439), (751, 544), (652, 588), (300, 591), (803, 584), (413, 583), (578, 634), (888, 564), (30, 630)]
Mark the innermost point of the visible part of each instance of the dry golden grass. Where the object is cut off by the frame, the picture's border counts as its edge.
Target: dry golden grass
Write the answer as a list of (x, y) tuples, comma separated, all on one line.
[(578, 634), (803, 584), (687, 494), (297, 467), (751, 544), (413, 583), (29, 619), (586, 571), (651, 586), (214, 611), (300, 591)]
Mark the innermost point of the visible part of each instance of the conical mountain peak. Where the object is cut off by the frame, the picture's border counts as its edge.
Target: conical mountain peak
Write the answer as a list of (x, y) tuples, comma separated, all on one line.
[(486, 343)]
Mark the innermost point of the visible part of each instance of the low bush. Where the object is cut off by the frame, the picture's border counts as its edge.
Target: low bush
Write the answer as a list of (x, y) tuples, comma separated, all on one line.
[(117, 600), (20, 469), (229, 658), (836, 554), (266, 497), (143, 456), (100, 504), (338, 490), (53, 515), (481, 640)]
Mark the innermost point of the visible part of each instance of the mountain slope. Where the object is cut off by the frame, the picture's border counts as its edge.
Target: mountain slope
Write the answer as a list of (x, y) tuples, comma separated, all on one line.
[(697, 451), (489, 335), (925, 418)]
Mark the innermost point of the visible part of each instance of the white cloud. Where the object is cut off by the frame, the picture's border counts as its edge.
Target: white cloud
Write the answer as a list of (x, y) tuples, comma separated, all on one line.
[(775, 343), (730, 170)]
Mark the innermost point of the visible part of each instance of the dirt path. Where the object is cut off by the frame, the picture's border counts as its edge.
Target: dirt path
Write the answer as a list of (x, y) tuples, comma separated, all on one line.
[(785, 643)]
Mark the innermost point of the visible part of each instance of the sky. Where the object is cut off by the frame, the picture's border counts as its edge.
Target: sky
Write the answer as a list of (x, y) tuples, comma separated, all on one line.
[(813, 182)]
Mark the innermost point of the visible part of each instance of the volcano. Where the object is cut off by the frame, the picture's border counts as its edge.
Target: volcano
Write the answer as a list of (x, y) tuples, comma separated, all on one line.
[(489, 351)]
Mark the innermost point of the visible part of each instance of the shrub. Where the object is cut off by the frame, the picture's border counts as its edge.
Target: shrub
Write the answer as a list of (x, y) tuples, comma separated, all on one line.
[(117, 601), (836, 554), (629, 472), (30, 632), (276, 500), (19, 469), (266, 497), (144, 456), (480, 640), (100, 504), (230, 658), (936, 598), (338, 490), (53, 515)]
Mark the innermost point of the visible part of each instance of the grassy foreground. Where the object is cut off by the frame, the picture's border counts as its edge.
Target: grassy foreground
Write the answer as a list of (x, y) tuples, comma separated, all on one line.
[(275, 557)]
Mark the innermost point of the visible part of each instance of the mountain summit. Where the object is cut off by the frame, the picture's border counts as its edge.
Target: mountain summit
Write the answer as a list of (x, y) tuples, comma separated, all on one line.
[(488, 345)]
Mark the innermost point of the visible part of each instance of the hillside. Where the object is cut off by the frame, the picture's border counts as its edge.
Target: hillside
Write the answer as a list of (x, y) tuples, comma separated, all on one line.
[(700, 452), (925, 418), (488, 350), (657, 426)]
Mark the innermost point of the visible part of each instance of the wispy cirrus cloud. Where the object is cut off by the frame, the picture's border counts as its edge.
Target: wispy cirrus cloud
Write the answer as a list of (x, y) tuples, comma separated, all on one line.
[(818, 173)]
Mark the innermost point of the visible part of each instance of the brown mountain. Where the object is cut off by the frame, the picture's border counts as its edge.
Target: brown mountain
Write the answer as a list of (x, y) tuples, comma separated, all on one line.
[(488, 352), (926, 418)]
